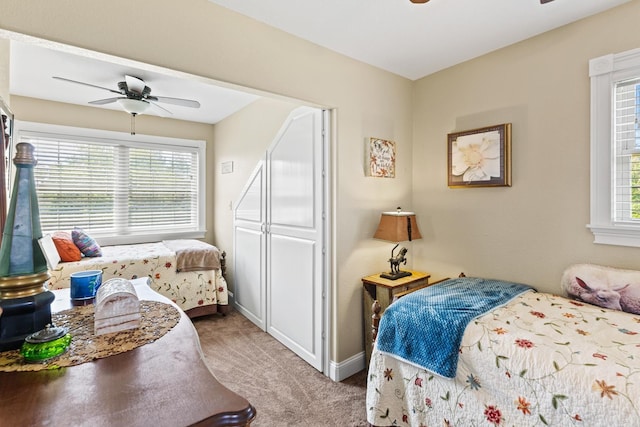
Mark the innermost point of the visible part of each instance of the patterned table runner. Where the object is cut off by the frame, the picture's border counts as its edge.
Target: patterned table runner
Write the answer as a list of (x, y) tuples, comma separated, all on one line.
[(156, 320)]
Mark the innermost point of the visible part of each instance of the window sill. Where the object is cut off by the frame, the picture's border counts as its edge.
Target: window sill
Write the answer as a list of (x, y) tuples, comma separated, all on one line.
[(146, 238), (616, 235)]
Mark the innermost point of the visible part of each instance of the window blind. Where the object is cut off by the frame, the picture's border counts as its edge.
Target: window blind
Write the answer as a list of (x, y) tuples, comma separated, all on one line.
[(115, 188), (626, 192)]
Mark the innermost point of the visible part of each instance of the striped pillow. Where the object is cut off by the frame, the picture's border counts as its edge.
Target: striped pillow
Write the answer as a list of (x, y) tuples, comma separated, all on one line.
[(87, 245)]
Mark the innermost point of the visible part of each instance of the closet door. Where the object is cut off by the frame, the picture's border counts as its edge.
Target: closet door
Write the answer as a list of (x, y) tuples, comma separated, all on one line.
[(279, 231), (250, 250), (295, 240)]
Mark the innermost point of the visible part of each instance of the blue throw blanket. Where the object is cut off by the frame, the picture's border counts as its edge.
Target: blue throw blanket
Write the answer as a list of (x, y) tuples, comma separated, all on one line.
[(426, 327)]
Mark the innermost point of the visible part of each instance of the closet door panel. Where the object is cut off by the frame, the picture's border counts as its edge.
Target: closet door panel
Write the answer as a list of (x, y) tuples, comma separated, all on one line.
[(291, 309), (249, 258), (295, 236)]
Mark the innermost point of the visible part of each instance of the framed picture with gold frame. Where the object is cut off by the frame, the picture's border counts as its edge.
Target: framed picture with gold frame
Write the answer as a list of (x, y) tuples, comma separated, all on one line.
[(480, 157)]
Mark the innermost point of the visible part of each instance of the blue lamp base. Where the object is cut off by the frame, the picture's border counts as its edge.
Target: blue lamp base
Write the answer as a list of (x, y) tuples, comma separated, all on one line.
[(23, 316)]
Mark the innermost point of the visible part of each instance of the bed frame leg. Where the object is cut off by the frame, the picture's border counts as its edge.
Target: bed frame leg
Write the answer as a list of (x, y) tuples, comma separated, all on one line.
[(375, 320)]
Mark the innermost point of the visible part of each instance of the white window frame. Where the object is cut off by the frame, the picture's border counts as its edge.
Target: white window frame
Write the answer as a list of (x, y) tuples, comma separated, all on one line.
[(138, 140), (604, 72)]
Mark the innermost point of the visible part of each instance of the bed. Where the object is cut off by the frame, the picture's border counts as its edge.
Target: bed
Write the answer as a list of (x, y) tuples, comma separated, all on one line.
[(533, 359), (198, 292)]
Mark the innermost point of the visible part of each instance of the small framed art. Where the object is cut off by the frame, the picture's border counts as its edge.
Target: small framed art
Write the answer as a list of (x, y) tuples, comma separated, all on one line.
[(480, 157), (382, 158)]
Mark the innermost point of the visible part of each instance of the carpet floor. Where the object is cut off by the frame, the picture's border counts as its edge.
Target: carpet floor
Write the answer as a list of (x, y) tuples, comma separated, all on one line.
[(284, 389)]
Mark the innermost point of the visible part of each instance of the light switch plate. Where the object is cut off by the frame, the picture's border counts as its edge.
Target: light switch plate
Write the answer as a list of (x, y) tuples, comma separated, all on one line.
[(227, 167)]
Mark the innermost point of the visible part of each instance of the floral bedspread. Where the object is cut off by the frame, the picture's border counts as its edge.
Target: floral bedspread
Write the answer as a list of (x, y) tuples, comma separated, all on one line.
[(540, 360), (154, 260)]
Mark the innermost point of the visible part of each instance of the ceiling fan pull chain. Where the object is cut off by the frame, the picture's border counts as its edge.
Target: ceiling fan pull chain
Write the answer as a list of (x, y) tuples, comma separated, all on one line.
[(133, 124)]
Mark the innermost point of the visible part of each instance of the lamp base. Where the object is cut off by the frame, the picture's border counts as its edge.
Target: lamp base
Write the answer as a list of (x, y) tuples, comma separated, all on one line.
[(395, 276), (23, 316)]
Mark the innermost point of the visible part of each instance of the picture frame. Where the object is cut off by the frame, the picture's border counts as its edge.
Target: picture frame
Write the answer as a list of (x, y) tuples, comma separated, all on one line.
[(381, 158), (480, 157)]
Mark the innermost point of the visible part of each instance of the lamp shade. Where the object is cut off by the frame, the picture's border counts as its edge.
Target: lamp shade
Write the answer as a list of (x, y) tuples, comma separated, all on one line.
[(398, 227)]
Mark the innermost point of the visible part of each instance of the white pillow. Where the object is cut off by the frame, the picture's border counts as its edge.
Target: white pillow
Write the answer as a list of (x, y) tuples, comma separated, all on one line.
[(50, 252), (606, 287)]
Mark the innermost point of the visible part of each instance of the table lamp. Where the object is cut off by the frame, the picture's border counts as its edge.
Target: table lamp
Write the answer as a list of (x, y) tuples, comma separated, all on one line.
[(397, 227), (24, 299)]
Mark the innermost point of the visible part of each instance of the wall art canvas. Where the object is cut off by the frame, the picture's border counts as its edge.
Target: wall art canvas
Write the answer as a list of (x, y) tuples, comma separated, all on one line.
[(480, 157), (382, 158)]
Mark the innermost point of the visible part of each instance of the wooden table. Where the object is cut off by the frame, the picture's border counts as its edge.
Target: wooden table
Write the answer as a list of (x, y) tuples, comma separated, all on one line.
[(383, 290), (165, 383)]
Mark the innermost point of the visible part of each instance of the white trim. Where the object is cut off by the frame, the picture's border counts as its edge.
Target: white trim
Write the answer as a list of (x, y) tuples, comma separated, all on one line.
[(605, 71), (106, 135), (351, 366), (616, 235), (327, 275)]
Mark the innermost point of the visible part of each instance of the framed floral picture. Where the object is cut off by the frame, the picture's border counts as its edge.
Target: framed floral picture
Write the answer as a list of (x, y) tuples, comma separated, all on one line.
[(382, 158), (480, 157)]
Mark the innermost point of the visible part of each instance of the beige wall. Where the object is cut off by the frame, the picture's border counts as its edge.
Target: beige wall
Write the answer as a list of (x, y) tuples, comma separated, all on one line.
[(214, 42), (533, 230)]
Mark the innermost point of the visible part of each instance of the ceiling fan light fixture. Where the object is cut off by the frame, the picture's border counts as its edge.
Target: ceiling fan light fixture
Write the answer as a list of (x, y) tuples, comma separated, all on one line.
[(133, 106)]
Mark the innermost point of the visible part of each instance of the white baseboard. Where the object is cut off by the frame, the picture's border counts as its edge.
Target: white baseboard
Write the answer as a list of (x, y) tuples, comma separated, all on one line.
[(351, 366)]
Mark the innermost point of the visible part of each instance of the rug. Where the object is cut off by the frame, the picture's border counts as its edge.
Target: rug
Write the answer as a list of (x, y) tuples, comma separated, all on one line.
[(285, 390)]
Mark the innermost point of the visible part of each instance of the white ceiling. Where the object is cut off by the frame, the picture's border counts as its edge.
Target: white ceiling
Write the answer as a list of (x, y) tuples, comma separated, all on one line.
[(411, 40), (415, 40), (29, 76)]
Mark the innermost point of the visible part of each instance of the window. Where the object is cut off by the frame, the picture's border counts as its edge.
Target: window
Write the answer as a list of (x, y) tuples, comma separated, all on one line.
[(119, 188), (615, 148), (626, 205)]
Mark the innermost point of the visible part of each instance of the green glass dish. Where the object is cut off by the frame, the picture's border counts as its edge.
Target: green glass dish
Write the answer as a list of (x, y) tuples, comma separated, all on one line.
[(45, 344)]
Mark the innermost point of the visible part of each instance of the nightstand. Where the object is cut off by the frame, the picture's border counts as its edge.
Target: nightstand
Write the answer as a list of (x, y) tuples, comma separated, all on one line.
[(384, 290)]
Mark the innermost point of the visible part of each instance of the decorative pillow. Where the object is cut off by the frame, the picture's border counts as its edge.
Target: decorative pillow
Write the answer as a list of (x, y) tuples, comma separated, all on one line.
[(67, 250), (85, 243), (49, 250), (606, 287)]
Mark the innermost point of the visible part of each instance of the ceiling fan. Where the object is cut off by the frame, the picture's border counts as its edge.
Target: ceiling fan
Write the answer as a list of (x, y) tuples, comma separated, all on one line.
[(135, 97), (134, 89)]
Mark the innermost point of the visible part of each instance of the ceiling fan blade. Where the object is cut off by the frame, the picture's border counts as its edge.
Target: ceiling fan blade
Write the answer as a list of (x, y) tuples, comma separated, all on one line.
[(160, 107), (175, 101), (134, 84), (86, 84), (424, 1), (105, 101), (545, 1)]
